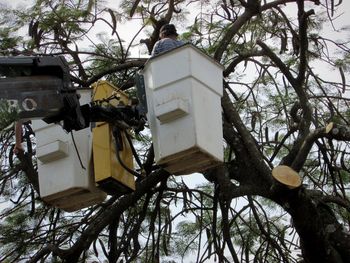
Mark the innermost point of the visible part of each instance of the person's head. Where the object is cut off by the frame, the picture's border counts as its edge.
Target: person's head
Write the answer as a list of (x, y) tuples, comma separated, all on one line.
[(168, 30)]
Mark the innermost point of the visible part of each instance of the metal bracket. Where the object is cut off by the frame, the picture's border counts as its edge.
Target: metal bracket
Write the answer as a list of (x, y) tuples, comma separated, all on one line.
[(141, 93)]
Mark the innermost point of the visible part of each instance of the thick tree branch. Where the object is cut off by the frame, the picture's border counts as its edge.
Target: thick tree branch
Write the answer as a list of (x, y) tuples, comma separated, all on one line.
[(228, 190), (249, 142), (325, 231), (337, 200), (231, 32), (270, 5), (238, 59), (278, 62), (120, 67), (305, 148), (303, 20), (170, 11), (337, 132), (300, 91), (226, 229)]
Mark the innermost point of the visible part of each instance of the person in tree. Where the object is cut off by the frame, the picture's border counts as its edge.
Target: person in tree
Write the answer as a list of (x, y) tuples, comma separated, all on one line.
[(168, 40)]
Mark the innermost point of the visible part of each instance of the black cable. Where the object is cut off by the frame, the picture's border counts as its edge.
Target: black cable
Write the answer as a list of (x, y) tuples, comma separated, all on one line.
[(133, 150), (120, 160), (76, 150)]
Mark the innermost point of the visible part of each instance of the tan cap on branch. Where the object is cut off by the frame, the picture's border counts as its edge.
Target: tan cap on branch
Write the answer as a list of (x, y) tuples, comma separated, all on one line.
[(286, 176)]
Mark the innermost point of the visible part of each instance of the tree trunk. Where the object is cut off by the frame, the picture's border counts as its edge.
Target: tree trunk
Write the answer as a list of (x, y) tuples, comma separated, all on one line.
[(322, 237)]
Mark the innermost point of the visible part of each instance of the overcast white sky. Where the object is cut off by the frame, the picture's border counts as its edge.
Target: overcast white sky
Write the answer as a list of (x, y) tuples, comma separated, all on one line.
[(127, 31)]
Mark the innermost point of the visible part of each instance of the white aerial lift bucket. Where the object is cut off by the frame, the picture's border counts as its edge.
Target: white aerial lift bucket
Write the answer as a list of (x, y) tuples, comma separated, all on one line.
[(184, 89), (65, 169)]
